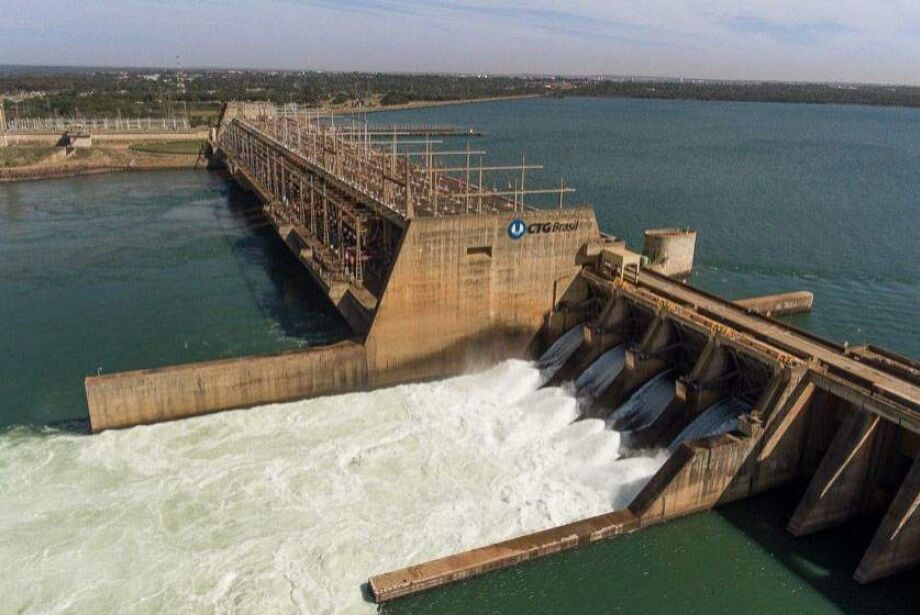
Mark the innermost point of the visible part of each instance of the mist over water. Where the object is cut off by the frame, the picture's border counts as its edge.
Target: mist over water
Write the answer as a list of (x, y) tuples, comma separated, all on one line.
[(292, 507)]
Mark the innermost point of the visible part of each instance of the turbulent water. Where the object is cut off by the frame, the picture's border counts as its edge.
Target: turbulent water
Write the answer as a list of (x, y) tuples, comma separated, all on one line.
[(721, 417), (559, 352), (646, 404), (601, 374), (292, 507)]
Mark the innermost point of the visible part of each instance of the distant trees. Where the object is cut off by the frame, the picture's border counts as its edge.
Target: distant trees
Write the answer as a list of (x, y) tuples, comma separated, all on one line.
[(826, 93), (138, 93), (394, 98)]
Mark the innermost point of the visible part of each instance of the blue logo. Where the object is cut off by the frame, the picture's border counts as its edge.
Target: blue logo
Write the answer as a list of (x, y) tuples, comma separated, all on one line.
[(517, 229)]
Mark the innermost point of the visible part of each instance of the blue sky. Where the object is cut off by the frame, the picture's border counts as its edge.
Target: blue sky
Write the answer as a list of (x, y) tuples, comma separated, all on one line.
[(839, 40)]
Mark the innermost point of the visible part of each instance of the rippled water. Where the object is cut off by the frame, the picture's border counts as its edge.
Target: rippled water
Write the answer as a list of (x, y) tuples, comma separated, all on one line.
[(110, 273), (291, 508)]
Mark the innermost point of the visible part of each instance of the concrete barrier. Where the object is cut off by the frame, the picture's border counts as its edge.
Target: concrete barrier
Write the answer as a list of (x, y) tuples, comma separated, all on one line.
[(460, 566), (779, 304), (164, 394)]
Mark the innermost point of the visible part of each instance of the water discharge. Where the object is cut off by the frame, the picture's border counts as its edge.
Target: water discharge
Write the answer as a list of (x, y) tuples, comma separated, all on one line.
[(646, 404), (293, 507), (559, 352), (601, 374), (721, 417)]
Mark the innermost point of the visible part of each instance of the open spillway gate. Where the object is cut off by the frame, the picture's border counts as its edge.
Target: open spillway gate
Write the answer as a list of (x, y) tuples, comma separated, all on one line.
[(844, 420), (437, 273)]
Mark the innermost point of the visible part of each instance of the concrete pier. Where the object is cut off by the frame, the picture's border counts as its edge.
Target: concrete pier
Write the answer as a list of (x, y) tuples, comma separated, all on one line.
[(781, 304), (896, 546), (670, 251), (838, 489), (460, 566), (164, 394)]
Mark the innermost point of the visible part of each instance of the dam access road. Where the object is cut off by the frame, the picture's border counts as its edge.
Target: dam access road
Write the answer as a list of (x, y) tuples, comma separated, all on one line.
[(437, 272)]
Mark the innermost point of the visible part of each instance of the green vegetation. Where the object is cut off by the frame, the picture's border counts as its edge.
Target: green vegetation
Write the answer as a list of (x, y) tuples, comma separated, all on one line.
[(23, 155), (826, 93), (169, 147), (43, 92)]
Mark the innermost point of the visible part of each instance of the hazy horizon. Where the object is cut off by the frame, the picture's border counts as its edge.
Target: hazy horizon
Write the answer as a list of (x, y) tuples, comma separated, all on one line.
[(848, 41)]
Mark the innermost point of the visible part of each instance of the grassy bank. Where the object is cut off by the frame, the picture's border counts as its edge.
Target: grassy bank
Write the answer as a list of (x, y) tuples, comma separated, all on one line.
[(169, 147), (24, 155)]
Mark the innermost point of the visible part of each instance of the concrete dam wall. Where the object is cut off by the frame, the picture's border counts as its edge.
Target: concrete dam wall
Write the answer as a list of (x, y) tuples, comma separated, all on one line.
[(427, 296), (438, 276), (180, 391), (462, 295)]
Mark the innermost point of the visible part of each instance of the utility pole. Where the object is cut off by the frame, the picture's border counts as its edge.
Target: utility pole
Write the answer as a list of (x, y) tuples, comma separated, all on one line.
[(3, 138)]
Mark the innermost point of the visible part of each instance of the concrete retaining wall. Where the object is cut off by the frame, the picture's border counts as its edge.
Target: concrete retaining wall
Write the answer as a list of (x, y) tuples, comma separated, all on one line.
[(779, 304), (155, 395), (114, 137), (457, 567)]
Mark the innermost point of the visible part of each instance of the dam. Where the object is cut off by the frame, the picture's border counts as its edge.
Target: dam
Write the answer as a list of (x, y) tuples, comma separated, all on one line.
[(429, 274)]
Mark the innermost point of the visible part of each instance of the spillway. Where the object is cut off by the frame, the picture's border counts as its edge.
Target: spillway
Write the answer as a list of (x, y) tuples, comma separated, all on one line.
[(719, 418), (560, 351), (646, 404), (600, 374)]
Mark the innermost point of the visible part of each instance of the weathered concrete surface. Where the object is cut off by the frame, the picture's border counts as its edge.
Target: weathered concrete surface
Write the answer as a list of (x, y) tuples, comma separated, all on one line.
[(896, 545), (711, 471), (164, 394), (670, 251), (837, 491), (705, 383), (460, 566), (779, 304), (458, 277), (781, 454), (646, 359), (695, 478)]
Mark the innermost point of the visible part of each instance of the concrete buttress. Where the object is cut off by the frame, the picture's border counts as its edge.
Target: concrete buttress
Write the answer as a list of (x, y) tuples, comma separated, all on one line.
[(836, 490), (896, 545)]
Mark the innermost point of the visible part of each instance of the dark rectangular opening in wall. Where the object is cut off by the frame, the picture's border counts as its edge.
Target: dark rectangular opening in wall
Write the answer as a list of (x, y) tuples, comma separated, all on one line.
[(480, 251)]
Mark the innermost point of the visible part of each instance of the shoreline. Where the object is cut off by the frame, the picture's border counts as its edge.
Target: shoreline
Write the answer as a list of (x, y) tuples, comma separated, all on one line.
[(425, 104), (38, 173)]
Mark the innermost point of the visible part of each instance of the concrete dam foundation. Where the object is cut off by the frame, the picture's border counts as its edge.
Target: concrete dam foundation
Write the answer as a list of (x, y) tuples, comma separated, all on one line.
[(437, 274)]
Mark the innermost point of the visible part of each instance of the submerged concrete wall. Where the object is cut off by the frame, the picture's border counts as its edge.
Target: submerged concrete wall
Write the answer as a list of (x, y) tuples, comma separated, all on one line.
[(163, 394)]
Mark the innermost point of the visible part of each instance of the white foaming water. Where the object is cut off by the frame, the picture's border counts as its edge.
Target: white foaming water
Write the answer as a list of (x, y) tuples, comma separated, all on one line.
[(601, 374), (291, 508), (646, 404), (560, 351), (721, 417)]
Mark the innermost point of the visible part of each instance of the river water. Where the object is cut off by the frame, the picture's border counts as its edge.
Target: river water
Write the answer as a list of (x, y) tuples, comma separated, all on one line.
[(290, 508)]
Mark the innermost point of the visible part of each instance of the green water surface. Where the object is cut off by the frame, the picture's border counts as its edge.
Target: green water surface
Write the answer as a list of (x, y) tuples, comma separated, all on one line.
[(103, 274)]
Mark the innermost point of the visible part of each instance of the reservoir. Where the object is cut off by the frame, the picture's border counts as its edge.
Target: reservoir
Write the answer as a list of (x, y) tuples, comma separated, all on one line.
[(292, 508)]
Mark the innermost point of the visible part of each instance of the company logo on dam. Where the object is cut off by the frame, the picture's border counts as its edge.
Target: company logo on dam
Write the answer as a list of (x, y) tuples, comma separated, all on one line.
[(518, 228)]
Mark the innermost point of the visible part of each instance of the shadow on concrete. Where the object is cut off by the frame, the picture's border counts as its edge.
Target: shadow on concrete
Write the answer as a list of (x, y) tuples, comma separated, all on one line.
[(825, 560)]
